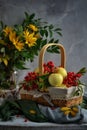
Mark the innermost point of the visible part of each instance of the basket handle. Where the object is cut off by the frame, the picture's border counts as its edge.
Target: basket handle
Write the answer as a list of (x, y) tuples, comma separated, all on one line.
[(42, 52)]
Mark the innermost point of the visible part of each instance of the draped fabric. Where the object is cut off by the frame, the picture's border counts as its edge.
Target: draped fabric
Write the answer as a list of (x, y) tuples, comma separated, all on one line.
[(55, 120)]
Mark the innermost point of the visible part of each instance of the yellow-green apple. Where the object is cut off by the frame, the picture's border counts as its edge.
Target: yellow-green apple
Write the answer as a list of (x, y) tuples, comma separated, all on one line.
[(36, 70), (55, 79), (63, 86), (61, 71)]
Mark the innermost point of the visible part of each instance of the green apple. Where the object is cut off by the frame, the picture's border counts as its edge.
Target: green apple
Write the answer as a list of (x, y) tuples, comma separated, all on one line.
[(61, 71), (55, 79)]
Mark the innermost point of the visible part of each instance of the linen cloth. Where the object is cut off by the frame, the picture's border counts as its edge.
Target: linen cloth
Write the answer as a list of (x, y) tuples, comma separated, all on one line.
[(39, 113), (19, 123), (57, 116)]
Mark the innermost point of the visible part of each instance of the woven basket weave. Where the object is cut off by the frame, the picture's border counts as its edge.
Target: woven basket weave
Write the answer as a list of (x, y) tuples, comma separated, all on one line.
[(46, 98)]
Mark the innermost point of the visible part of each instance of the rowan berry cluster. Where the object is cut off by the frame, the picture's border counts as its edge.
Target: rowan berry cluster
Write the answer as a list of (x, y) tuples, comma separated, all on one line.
[(49, 67), (72, 79), (31, 80)]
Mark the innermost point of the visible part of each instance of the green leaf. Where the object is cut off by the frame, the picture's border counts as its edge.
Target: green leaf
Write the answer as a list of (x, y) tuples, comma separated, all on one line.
[(1, 25), (53, 49), (51, 33), (27, 15), (82, 70), (32, 16), (8, 109), (51, 27), (44, 42), (20, 65), (46, 33), (45, 27), (42, 32), (59, 33), (51, 40), (56, 41), (58, 29)]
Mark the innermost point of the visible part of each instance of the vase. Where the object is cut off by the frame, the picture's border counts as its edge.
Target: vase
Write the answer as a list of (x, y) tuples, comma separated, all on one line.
[(9, 80), (8, 87)]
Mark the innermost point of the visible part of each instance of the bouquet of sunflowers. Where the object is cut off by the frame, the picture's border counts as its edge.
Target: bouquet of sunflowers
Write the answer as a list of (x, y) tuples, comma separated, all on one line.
[(22, 42)]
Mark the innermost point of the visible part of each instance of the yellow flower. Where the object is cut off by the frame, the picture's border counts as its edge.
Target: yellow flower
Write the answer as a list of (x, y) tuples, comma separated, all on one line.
[(4, 59), (32, 111), (26, 33), (2, 42), (19, 45), (15, 40), (7, 30), (29, 38), (12, 36), (37, 35), (33, 27)]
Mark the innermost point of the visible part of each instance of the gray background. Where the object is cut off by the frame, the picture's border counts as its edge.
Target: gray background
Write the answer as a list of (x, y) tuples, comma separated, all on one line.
[(69, 15)]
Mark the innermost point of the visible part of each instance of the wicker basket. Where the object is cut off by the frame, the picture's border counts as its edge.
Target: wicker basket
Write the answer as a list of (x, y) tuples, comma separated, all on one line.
[(48, 98)]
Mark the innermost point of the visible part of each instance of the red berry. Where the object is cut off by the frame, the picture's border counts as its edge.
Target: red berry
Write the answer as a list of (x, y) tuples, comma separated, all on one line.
[(25, 120)]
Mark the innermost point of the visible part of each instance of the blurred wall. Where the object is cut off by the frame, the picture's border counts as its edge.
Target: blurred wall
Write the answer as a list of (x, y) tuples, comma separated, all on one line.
[(69, 15)]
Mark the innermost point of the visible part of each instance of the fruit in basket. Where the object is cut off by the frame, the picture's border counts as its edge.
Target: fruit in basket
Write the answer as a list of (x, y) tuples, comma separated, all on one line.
[(55, 79), (63, 86), (61, 70), (36, 70)]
